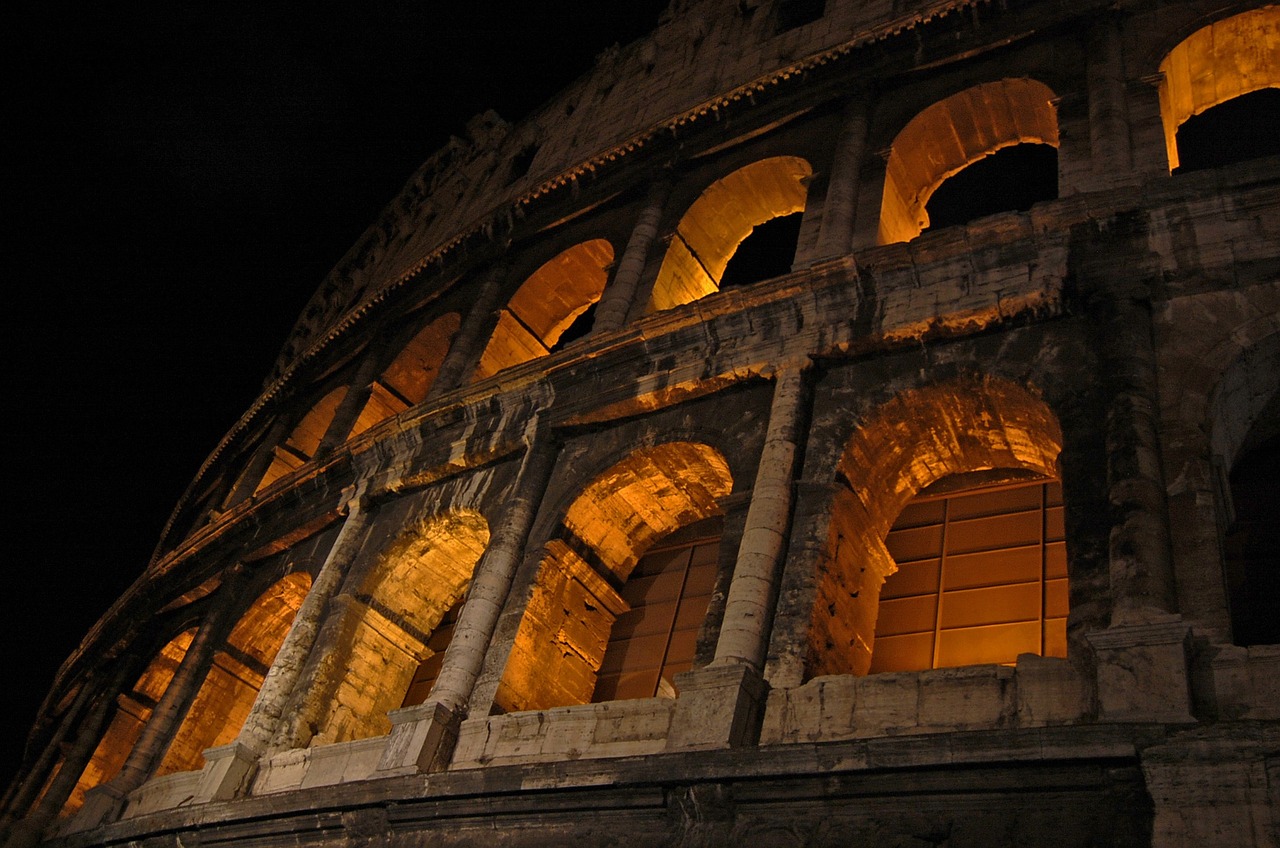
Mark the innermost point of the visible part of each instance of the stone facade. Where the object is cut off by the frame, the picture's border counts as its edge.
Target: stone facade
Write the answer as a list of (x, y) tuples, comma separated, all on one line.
[(453, 473)]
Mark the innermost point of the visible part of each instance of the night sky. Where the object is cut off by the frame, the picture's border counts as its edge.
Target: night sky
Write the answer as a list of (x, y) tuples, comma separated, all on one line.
[(182, 181)]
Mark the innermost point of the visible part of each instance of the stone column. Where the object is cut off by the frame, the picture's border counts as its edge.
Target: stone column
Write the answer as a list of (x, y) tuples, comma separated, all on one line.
[(29, 831), (473, 335), (105, 803), (23, 793), (1108, 111), (260, 462), (229, 768), (352, 404), (840, 209), (619, 295), (1143, 672), (720, 706), (423, 737)]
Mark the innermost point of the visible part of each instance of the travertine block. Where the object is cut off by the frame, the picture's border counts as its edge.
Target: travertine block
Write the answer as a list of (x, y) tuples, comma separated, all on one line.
[(1142, 672)]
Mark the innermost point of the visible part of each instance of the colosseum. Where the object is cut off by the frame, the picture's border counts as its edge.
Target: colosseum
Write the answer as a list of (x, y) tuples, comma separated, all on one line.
[(822, 423)]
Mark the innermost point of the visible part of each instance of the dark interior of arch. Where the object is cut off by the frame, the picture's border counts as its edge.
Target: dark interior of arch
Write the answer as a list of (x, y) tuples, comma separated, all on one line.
[(1252, 546), (1242, 128), (580, 327), (1009, 180), (795, 13), (768, 252)]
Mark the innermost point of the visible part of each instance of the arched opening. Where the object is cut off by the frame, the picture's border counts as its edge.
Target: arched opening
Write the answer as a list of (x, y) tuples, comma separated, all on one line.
[(297, 450), (1243, 128), (1219, 63), (546, 305), (221, 706), (582, 584), (1245, 440), (407, 379), (133, 711), (953, 134), (1252, 547), (1013, 179), (724, 216), (966, 427), (402, 623)]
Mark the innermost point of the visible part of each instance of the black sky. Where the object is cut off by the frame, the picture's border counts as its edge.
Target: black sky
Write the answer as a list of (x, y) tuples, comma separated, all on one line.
[(179, 180)]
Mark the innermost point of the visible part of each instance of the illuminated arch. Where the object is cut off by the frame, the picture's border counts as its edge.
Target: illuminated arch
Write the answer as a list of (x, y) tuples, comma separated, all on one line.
[(607, 528), (545, 305), (719, 220), (916, 438), (297, 450), (229, 689), (407, 379), (1224, 60), (952, 134), (134, 709), (423, 574)]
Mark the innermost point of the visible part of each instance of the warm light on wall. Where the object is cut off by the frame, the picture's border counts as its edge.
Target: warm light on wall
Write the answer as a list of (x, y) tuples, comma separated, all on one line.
[(545, 305), (952, 134), (1226, 59), (918, 437), (981, 578), (404, 598), (719, 220), (619, 515)]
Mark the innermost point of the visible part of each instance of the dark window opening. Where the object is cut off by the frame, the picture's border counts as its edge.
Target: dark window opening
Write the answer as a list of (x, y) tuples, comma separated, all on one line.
[(425, 677), (797, 13), (579, 329), (1010, 180), (668, 591), (522, 162), (1252, 547), (768, 252), (1245, 127)]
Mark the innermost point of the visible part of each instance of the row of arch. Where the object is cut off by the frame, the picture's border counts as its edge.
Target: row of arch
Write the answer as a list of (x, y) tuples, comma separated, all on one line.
[(955, 146), (623, 588)]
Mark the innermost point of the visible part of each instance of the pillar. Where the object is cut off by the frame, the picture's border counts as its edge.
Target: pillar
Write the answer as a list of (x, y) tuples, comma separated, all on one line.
[(229, 768), (353, 402), (619, 295), (259, 463), (1143, 657), (840, 208), (473, 335), (29, 831), (105, 803), (1108, 111), (720, 706), (423, 737)]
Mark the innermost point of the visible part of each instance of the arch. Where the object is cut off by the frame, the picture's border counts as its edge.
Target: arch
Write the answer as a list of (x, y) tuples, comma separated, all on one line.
[(403, 599), (408, 378), (133, 710), (952, 134), (720, 219), (221, 706), (1227, 59), (301, 444), (915, 439), (562, 638), (1244, 437), (545, 305)]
